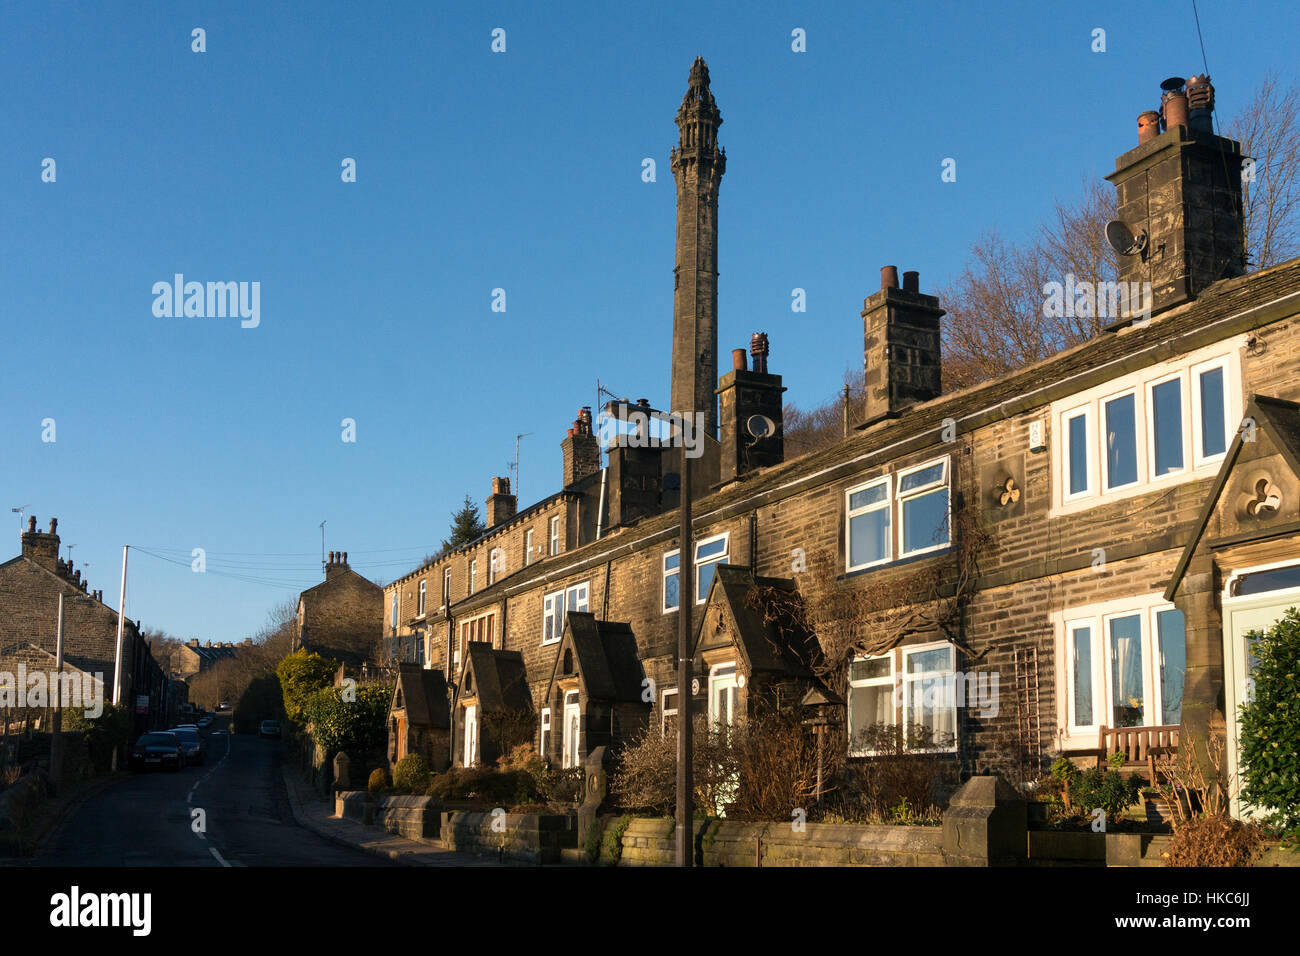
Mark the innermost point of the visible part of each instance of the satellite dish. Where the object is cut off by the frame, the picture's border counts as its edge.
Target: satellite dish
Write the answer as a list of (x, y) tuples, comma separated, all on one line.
[(1122, 240), (760, 426)]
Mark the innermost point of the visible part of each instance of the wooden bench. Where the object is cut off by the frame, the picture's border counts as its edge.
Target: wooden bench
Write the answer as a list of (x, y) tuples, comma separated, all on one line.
[(1139, 745)]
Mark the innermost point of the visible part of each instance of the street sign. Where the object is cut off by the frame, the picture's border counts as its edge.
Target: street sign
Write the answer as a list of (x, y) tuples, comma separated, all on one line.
[(142, 704)]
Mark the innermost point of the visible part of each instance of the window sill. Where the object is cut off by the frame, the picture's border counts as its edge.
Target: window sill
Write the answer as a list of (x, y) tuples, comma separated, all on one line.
[(554, 640), (910, 559)]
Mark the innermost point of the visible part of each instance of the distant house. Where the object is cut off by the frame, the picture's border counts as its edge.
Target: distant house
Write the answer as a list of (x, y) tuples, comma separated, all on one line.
[(342, 617), (193, 658)]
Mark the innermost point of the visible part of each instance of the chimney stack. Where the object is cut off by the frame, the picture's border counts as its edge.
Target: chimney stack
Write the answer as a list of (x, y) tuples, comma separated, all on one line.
[(43, 549), (337, 564), (1182, 187), (501, 504), (900, 346), (580, 449), (751, 413)]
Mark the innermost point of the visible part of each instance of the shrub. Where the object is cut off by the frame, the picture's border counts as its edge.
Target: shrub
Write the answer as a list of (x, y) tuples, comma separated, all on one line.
[(776, 766), (1108, 789), (356, 725), (1215, 840), (378, 781), (1270, 725), (109, 731), (411, 773), (301, 674), (912, 774)]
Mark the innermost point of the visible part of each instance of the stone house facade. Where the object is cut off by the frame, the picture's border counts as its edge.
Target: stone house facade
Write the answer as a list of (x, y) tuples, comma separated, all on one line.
[(30, 585), (1077, 546), (340, 617)]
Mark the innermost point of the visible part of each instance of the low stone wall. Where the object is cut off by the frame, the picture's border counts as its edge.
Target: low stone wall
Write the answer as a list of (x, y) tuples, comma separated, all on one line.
[(730, 843), (531, 837), (418, 818)]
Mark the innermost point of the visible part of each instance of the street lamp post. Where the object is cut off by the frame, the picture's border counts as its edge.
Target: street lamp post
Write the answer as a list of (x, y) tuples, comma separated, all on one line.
[(685, 831)]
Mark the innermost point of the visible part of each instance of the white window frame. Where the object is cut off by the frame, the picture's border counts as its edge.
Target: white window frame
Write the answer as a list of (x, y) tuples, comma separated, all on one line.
[(1224, 355), (528, 547), (849, 514), (446, 587), (905, 678), (543, 739), (1098, 617), (925, 490), (723, 558), (1139, 439), (496, 564), (1091, 464), (419, 608), (663, 583), (555, 535), (395, 613), (1184, 423), (555, 605), (664, 710), (865, 682), (473, 575), (1221, 363)]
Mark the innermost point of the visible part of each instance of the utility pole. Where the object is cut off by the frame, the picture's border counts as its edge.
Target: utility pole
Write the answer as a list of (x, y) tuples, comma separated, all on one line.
[(685, 831), (56, 737), (121, 612)]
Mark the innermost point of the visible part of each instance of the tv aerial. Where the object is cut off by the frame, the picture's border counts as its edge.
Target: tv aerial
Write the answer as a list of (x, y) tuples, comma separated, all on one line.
[(1122, 240)]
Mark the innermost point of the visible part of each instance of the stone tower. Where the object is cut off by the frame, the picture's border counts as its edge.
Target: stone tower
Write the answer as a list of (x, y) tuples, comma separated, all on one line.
[(698, 164)]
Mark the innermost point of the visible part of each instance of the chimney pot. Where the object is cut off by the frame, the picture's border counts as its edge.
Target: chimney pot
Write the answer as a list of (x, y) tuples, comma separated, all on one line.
[(758, 348), (54, 525), (1173, 105), (31, 524), (1148, 126), (345, 557), (912, 281), (738, 360), (889, 277)]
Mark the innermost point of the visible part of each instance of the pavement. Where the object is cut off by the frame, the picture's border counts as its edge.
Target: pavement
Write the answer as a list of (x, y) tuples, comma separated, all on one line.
[(315, 813)]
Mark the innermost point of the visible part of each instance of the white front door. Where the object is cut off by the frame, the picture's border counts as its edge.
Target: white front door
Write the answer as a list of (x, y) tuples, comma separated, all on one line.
[(722, 696), (471, 735), (572, 728), (1241, 616)]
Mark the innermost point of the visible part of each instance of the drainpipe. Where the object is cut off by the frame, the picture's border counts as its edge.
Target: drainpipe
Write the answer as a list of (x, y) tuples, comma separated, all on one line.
[(600, 511), (753, 542)]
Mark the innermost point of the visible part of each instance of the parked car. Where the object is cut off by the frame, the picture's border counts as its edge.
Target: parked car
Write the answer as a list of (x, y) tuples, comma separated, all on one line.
[(191, 744), (269, 728), (204, 723), (158, 749)]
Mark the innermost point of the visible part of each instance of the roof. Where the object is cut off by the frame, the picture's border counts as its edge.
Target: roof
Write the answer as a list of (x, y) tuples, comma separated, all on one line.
[(498, 678), (768, 637), (1276, 419), (1226, 308), (606, 658), (424, 696)]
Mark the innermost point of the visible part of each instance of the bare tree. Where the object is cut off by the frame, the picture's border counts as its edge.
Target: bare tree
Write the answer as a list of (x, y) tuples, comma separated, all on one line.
[(1268, 129)]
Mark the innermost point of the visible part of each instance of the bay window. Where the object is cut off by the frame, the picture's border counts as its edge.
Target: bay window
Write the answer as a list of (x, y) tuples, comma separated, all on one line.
[(1164, 424), (1123, 665)]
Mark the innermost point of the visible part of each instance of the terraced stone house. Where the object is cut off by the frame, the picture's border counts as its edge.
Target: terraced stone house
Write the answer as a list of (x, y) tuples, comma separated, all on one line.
[(1064, 559)]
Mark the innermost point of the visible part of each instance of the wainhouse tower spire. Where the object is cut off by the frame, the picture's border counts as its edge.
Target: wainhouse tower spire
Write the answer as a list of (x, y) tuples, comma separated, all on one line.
[(698, 164)]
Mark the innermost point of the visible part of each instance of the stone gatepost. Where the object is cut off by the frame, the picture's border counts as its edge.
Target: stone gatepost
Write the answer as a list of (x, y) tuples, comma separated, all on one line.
[(341, 779), (595, 785), (986, 824)]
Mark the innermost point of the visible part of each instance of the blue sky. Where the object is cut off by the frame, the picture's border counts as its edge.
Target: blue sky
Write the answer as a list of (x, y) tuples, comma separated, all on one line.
[(477, 171)]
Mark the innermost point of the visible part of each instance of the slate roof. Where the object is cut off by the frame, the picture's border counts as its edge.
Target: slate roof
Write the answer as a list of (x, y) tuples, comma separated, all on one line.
[(498, 678), (424, 696), (606, 658), (759, 639)]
